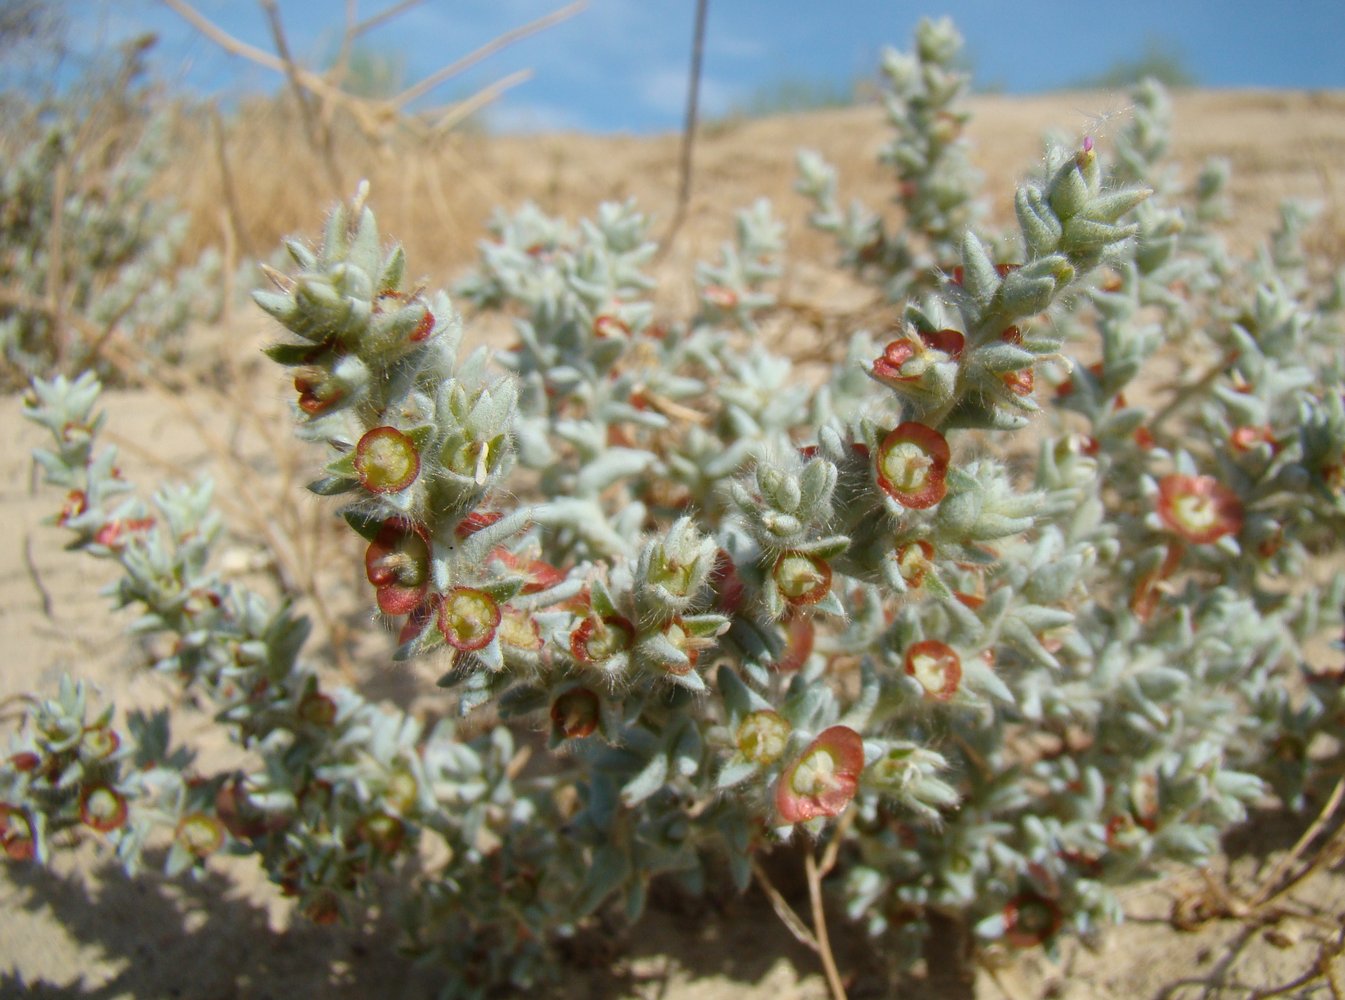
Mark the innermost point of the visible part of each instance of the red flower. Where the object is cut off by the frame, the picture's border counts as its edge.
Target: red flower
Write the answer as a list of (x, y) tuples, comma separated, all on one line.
[(468, 618), (913, 561), (114, 534), (823, 780), (595, 640), (798, 644), (1200, 509), (386, 460), (1244, 439), (802, 579), (422, 329), (575, 714), (1030, 920), (316, 393), (76, 503), (889, 366), (936, 666), (200, 835), (16, 833), (720, 297), (102, 808), (397, 563), (726, 584), (539, 575), (912, 465), (606, 325)]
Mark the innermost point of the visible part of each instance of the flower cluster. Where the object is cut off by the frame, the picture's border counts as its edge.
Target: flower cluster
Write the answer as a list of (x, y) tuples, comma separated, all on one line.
[(738, 609)]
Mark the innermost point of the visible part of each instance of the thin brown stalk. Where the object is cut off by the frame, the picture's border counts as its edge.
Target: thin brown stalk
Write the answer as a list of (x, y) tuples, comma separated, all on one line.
[(783, 910), (55, 263), (820, 927), (233, 212), (384, 15), (31, 565), (319, 132), (469, 106), (1278, 883), (689, 124), (490, 48)]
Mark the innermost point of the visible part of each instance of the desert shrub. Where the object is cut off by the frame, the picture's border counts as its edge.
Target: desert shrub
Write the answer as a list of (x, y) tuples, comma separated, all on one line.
[(90, 275), (986, 619)]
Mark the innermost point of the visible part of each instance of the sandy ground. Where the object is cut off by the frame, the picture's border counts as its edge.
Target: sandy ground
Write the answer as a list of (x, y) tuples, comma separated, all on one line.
[(82, 930)]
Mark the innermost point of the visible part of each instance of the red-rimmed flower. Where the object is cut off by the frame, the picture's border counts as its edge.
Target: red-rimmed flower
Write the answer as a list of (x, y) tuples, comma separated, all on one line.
[(720, 297), (103, 808), (1200, 509), (317, 394), (386, 460), (76, 503), (468, 618), (1021, 382), (823, 779), (397, 563), (726, 584), (912, 465), (16, 833), (889, 367), (801, 578), (576, 714), (762, 736), (606, 325), (914, 560), (423, 328), (114, 534), (595, 639), (1244, 439), (200, 835), (416, 622), (99, 743), (936, 666), (800, 634), (1030, 920), (538, 574)]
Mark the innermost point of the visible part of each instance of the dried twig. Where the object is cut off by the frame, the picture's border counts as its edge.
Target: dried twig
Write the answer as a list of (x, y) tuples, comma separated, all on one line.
[(490, 48), (319, 132), (689, 125), (31, 564), (833, 974), (1277, 883), (783, 910), (373, 116)]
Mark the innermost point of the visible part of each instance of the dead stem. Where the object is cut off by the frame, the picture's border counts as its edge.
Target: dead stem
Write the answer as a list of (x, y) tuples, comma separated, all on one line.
[(783, 910), (1271, 888), (820, 927), (36, 577)]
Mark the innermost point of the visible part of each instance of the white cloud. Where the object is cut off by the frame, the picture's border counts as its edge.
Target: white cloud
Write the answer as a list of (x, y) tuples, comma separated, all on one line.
[(665, 91), (534, 116)]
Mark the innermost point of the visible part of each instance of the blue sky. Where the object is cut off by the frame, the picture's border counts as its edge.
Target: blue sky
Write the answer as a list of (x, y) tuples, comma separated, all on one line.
[(620, 65)]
